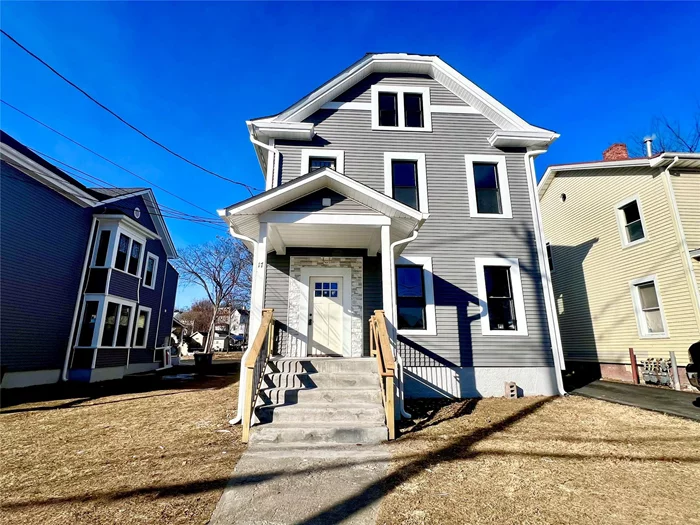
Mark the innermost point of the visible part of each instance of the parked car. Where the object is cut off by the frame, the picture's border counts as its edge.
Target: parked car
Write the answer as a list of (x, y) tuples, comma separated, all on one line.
[(693, 364)]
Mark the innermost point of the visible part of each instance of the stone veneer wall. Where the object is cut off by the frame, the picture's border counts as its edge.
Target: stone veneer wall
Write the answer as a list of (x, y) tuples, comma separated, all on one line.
[(296, 317)]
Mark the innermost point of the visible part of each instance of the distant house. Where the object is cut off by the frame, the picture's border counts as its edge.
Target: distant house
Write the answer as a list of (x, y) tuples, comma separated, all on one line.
[(87, 287), (623, 241), (239, 321)]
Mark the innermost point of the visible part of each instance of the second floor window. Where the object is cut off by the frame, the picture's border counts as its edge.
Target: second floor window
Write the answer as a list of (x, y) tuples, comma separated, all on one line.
[(150, 271), (103, 248), (128, 255), (488, 197), (632, 220), (405, 182)]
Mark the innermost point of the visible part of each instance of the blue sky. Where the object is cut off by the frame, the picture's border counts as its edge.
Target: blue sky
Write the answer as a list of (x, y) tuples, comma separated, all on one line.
[(190, 74)]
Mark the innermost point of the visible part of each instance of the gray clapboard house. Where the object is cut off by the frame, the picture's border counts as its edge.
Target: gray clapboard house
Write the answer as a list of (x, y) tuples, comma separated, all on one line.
[(399, 185)]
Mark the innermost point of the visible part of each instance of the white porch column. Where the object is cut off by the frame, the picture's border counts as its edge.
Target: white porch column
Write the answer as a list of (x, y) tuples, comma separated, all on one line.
[(387, 283), (257, 301), (257, 290)]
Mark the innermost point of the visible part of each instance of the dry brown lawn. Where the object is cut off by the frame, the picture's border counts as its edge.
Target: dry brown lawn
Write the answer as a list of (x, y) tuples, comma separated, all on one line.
[(536, 461), (158, 454)]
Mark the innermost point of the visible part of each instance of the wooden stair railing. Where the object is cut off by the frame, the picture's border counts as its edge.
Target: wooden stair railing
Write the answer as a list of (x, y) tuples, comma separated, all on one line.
[(380, 347), (255, 365)]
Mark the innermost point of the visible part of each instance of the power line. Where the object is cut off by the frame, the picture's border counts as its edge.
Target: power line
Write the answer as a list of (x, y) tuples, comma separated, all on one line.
[(137, 130), (103, 157)]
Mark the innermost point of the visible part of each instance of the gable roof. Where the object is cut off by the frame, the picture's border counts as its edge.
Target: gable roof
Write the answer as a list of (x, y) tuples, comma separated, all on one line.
[(22, 157), (655, 163)]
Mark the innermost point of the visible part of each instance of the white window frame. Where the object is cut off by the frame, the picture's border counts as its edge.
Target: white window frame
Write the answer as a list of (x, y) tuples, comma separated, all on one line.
[(518, 298), (156, 260), (621, 225), (148, 325), (132, 238), (337, 154), (422, 176), (102, 301), (112, 228), (427, 264), (639, 314), (399, 91), (500, 162)]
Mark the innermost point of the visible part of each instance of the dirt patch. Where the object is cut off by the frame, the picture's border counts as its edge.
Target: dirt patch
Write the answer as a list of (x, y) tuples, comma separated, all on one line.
[(535, 461), (159, 453)]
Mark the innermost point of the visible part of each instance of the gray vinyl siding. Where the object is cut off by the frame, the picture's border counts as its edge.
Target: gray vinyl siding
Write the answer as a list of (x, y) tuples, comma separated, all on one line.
[(449, 236), (439, 94), (277, 288), (313, 202)]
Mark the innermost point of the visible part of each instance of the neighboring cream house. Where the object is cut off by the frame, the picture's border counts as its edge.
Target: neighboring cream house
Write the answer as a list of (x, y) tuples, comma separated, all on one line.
[(623, 240)]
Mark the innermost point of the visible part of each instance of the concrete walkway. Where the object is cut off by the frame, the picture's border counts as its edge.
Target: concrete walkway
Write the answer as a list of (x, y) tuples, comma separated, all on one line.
[(661, 400), (285, 485)]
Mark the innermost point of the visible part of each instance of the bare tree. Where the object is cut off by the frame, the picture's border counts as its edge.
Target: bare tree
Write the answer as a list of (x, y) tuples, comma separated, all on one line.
[(223, 268), (670, 135), (199, 314)]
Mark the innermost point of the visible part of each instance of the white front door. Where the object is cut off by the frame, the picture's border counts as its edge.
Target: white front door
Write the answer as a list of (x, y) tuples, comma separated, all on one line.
[(326, 316)]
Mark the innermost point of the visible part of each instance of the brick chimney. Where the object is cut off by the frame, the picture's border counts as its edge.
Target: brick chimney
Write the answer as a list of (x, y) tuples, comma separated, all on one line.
[(616, 152)]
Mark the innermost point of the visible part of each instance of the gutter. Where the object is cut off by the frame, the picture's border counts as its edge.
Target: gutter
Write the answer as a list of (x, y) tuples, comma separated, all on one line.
[(399, 359), (271, 170), (81, 287)]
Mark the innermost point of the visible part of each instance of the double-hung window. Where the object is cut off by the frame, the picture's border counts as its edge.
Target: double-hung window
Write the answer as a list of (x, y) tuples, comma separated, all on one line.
[(117, 325), (150, 271), (648, 309), (415, 300), (631, 221), (401, 108), (87, 330), (128, 254), (405, 179), (143, 319), (487, 186), (318, 158), (106, 322), (103, 248), (500, 296)]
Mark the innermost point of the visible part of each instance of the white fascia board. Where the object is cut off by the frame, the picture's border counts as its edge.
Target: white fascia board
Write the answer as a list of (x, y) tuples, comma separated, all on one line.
[(509, 139), (45, 176), (285, 130), (399, 62), (326, 177), (292, 217)]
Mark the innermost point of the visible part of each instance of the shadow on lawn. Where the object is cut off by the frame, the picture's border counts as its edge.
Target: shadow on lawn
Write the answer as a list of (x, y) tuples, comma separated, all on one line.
[(459, 448), (77, 394)]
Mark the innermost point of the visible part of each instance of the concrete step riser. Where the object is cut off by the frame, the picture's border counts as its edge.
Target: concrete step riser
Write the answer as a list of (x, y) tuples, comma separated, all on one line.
[(322, 365), (307, 415), (321, 380), (340, 435), (317, 395)]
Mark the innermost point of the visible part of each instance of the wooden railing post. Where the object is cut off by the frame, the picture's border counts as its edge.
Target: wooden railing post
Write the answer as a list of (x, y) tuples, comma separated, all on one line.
[(265, 332), (248, 407), (380, 347), (389, 407)]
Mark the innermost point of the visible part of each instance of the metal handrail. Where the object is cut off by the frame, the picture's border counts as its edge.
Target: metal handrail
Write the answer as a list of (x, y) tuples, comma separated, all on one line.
[(255, 364), (380, 347)]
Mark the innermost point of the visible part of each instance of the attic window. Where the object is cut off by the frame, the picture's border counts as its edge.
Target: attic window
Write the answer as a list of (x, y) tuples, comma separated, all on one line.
[(404, 108), (316, 163)]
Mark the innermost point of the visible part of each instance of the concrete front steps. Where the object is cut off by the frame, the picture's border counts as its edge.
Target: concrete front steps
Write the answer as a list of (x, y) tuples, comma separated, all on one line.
[(320, 400)]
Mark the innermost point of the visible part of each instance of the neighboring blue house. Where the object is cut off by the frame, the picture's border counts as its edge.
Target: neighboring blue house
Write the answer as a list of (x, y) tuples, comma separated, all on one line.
[(87, 289)]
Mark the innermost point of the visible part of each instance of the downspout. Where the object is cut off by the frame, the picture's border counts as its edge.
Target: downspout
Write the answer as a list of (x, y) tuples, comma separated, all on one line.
[(275, 156), (547, 289), (399, 359), (81, 287), (241, 381)]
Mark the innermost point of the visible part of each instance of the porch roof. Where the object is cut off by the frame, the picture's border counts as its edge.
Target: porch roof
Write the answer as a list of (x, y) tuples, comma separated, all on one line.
[(245, 217)]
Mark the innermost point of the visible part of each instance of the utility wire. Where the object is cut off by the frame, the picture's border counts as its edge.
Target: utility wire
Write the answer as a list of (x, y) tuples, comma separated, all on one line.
[(103, 157), (137, 130)]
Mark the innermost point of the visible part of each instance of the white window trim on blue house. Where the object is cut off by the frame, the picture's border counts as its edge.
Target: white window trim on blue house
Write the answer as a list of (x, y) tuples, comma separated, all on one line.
[(156, 260), (102, 301)]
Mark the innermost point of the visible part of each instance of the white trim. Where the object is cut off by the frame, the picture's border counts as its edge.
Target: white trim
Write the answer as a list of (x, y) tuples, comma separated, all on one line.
[(156, 261), (307, 272), (459, 110), (549, 255), (30, 378), (45, 176), (503, 188), (400, 91), (639, 314), (422, 177), (427, 264), (620, 215), (358, 106), (102, 301), (298, 217), (517, 291), (140, 309), (330, 174), (337, 154)]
